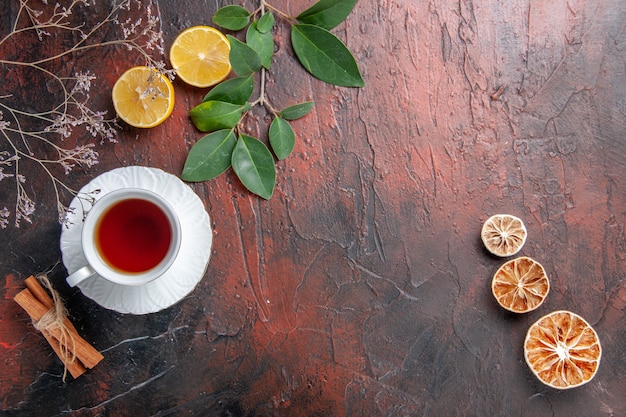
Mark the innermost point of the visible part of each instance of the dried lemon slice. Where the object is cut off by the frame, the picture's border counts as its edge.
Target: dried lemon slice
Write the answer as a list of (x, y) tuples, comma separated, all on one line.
[(562, 350), (201, 56), (503, 234), (143, 97), (520, 285)]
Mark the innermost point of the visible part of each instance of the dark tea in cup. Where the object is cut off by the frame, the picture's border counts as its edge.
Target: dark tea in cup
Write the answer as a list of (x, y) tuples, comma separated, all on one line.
[(130, 236), (133, 235)]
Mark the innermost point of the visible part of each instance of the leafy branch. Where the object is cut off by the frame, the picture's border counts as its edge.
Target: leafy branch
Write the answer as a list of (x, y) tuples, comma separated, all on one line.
[(223, 109)]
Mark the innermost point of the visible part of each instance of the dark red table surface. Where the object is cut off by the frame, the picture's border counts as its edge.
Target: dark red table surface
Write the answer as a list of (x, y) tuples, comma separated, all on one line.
[(362, 287)]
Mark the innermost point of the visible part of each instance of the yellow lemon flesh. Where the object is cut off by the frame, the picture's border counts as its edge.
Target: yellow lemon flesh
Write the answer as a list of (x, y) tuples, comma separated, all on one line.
[(200, 56), (143, 97)]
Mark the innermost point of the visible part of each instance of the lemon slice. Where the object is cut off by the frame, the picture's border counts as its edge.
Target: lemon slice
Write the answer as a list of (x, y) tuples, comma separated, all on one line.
[(143, 97), (520, 285), (200, 56), (562, 350), (503, 234)]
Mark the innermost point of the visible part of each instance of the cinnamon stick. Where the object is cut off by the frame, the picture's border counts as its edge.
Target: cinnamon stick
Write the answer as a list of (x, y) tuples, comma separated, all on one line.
[(75, 367), (42, 296), (86, 353), (38, 291)]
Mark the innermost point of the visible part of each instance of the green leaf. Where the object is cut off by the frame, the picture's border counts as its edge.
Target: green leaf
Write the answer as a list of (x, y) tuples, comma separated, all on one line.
[(215, 115), (266, 23), (281, 137), (325, 56), (235, 90), (296, 111), (210, 156), (243, 59), (262, 43), (254, 165), (327, 13), (232, 17)]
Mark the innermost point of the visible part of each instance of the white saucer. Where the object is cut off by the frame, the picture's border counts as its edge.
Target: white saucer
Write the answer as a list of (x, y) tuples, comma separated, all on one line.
[(187, 270)]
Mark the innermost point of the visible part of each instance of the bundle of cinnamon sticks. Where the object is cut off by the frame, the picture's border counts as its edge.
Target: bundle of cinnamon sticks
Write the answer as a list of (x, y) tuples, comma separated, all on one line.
[(76, 354)]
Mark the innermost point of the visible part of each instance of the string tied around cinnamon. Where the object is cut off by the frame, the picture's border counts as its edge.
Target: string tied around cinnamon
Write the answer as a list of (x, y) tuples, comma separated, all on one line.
[(49, 316), (55, 320)]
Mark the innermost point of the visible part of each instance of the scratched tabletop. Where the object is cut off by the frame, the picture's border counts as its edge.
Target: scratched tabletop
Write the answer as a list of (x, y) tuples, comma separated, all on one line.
[(361, 287)]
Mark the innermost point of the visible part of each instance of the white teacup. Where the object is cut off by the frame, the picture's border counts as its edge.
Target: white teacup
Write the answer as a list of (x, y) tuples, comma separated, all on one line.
[(131, 236)]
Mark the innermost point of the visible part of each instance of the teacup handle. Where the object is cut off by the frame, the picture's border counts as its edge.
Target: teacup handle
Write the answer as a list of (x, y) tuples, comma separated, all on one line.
[(80, 275)]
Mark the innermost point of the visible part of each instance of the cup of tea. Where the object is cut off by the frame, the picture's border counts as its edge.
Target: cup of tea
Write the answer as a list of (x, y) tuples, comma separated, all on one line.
[(131, 236)]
